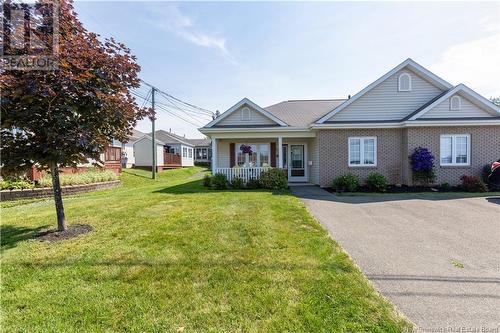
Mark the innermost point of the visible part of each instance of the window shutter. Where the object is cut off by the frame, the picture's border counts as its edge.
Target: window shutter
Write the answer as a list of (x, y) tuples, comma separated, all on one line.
[(231, 154), (273, 154)]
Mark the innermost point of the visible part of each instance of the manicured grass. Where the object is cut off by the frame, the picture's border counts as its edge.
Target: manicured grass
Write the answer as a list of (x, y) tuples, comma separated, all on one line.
[(170, 254)]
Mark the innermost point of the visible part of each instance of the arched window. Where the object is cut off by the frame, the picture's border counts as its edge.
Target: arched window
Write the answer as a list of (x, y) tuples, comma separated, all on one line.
[(404, 82), (455, 103), (245, 114)]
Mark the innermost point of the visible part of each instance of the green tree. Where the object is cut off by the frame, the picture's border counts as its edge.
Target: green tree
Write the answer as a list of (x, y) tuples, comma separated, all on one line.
[(63, 117)]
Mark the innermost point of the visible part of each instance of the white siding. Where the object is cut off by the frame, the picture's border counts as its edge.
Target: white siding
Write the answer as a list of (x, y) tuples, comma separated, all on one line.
[(385, 102), (223, 153), (142, 149), (256, 118), (468, 109)]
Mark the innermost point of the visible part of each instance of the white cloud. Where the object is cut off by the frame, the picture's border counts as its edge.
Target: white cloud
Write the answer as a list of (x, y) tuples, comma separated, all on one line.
[(183, 26), (474, 63)]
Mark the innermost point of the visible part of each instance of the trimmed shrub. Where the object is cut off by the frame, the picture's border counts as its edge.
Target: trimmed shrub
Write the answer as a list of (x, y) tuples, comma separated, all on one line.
[(207, 180), (219, 181), (472, 184), (445, 187), (15, 184), (422, 163), (274, 179), (89, 177), (349, 183), (253, 184), (485, 172), (376, 182), (238, 183)]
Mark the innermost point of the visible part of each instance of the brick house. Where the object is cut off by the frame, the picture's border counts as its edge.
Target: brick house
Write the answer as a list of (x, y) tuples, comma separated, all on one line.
[(376, 130)]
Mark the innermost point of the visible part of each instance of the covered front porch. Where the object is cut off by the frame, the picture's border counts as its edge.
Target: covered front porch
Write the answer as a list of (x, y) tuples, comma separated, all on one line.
[(247, 156)]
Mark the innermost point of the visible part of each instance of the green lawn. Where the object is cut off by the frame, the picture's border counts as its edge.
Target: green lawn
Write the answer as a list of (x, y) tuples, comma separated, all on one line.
[(169, 254)]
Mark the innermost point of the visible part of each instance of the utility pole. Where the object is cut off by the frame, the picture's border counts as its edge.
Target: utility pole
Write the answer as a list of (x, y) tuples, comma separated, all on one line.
[(153, 141)]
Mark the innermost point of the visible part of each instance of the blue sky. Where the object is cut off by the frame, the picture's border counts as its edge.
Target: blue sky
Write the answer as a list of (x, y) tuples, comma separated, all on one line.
[(214, 54)]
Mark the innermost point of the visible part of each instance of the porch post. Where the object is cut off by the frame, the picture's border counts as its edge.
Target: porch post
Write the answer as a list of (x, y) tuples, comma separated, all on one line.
[(280, 152), (214, 155)]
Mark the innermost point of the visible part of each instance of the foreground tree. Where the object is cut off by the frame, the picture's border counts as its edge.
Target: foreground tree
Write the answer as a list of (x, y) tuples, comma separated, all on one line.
[(63, 117)]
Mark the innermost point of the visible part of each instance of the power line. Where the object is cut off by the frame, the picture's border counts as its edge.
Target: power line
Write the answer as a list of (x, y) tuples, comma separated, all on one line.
[(177, 99), (163, 108), (178, 116)]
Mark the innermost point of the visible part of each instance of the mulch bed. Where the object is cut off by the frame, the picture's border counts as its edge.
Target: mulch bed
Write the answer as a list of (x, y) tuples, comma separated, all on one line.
[(71, 231)]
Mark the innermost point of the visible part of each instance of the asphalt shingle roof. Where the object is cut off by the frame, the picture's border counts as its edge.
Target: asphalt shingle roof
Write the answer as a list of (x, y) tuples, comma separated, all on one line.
[(169, 137), (302, 113), (200, 142)]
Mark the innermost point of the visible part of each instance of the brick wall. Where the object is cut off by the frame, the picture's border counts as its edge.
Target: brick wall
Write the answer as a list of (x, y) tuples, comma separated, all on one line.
[(394, 147), (47, 191), (333, 152), (485, 148)]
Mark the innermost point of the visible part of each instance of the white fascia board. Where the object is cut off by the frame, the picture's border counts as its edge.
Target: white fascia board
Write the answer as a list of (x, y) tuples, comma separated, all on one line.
[(253, 105), (357, 125), (448, 123), (469, 93), (413, 123), (408, 62), (206, 130), (261, 133)]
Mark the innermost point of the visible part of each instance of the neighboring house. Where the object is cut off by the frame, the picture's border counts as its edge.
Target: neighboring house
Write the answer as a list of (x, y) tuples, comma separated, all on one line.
[(373, 131), (110, 158), (202, 150), (128, 157), (172, 151)]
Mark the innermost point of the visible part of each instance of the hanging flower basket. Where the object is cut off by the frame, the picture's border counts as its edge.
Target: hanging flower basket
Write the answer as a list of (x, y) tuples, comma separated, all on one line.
[(246, 149)]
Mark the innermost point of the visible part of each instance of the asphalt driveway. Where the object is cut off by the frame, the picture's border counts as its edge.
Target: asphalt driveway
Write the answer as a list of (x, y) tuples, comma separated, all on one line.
[(437, 259)]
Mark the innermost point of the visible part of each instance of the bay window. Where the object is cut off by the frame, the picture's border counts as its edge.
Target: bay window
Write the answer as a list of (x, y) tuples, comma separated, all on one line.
[(454, 149), (362, 151)]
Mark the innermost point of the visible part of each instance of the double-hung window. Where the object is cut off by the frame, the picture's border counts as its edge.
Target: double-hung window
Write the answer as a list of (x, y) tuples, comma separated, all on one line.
[(455, 149), (362, 151), (184, 152)]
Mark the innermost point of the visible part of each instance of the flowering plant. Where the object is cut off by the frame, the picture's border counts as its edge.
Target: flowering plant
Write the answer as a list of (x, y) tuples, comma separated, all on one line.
[(422, 162), (246, 149)]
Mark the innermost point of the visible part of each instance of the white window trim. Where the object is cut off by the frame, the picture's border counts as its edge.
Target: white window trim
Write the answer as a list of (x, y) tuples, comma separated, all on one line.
[(237, 150), (454, 150), (244, 110), (399, 82), (362, 151), (459, 103)]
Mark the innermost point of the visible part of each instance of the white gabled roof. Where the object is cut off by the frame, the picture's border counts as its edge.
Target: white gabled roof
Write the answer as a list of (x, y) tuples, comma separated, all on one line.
[(249, 103), (467, 92), (433, 78)]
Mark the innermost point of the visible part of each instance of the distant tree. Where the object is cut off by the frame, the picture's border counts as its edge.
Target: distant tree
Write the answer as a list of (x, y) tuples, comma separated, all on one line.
[(495, 100), (65, 116)]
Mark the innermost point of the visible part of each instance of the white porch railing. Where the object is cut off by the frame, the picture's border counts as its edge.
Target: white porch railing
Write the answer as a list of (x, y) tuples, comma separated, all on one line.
[(244, 173)]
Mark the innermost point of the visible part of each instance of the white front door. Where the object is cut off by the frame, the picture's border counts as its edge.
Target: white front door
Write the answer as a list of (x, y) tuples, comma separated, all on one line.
[(297, 163)]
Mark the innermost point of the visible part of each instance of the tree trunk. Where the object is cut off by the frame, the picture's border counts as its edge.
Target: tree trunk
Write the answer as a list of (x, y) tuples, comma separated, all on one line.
[(56, 187)]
